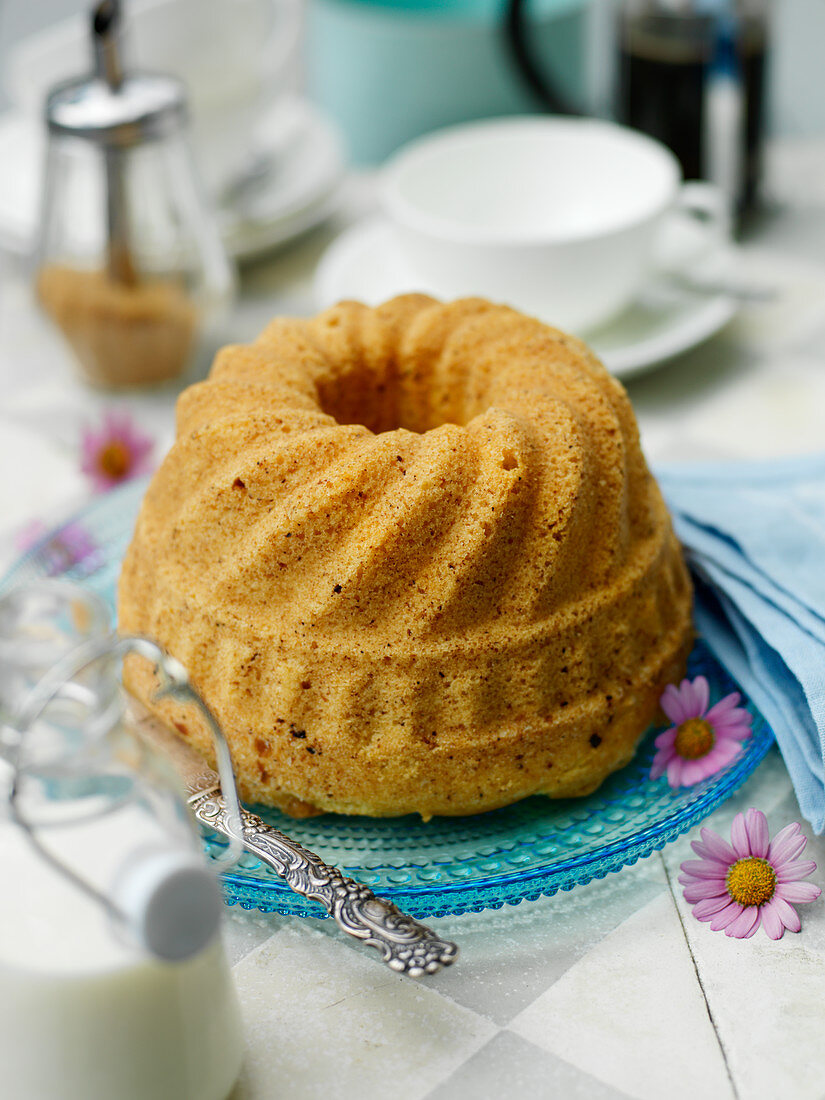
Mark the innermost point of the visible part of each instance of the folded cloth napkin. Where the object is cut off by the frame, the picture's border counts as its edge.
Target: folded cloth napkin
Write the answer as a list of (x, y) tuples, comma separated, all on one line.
[(754, 534)]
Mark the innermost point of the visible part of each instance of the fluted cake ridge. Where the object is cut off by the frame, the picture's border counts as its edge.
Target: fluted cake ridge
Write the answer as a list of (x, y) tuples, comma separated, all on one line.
[(414, 559)]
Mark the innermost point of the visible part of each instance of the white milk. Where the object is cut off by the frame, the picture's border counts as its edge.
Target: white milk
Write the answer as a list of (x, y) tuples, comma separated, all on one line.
[(84, 1016)]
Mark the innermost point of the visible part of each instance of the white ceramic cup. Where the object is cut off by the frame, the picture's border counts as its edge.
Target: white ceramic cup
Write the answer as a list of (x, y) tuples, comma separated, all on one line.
[(563, 218)]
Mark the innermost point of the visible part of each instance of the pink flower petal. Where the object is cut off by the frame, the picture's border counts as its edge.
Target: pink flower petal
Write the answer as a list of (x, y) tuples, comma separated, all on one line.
[(723, 707), (702, 868), (689, 700), (736, 714), (755, 927), (736, 731), (88, 465), (694, 771), (722, 753), (707, 907), (793, 850), (29, 535), (730, 700), (673, 705), (701, 695), (674, 771), (665, 740), (141, 449), (716, 847), (736, 734), (721, 867), (732, 716), (794, 870), (697, 891), (797, 891), (786, 913), (739, 837), (660, 762), (89, 446), (745, 923), (772, 922), (724, 917), (759, 837), (787, 844)]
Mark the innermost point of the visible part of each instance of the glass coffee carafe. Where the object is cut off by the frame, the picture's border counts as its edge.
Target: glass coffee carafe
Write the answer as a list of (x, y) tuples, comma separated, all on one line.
[(692, 73)]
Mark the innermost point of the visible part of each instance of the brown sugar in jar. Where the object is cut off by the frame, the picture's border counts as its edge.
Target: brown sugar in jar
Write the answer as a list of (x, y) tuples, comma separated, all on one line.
[(122, 335)]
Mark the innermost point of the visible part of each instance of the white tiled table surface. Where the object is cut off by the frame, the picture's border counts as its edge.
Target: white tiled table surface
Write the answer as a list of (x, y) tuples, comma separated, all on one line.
[(612, 990)]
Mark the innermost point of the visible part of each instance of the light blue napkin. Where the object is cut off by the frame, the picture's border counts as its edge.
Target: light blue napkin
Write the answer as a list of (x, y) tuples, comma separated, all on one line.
[(755, 540)]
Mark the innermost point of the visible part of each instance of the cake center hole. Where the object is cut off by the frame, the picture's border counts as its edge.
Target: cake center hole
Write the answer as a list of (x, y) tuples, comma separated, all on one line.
[(387, 399)]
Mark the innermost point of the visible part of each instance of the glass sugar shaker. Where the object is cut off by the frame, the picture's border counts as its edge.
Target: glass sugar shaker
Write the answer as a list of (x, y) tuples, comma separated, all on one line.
[(130, 265)]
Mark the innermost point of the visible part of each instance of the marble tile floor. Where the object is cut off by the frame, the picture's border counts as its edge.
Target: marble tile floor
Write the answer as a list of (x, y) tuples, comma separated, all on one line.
[(611, 990)]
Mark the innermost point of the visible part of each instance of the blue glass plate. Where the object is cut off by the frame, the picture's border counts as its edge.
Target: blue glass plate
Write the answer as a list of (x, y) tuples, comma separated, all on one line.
[(449, 865)]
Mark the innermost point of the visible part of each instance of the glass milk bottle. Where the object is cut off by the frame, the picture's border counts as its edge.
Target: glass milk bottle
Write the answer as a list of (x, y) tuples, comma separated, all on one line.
[(113, 980)]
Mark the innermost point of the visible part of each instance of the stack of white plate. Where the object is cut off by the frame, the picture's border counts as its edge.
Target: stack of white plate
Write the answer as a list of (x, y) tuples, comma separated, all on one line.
[(271, 161)]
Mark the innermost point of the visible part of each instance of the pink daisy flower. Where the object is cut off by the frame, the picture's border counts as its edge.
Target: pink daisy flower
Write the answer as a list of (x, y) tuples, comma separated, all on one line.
[(68, 548), (701, 741), (115, 452), (29, 535), (71, 547), (750, 881)]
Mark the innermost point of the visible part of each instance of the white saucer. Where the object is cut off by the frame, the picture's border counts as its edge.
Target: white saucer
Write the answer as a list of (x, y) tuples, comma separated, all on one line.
[(298, 193), (364, 263)]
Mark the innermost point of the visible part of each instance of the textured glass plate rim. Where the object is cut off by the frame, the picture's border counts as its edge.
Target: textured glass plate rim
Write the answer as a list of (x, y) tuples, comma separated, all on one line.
[(119, 507)]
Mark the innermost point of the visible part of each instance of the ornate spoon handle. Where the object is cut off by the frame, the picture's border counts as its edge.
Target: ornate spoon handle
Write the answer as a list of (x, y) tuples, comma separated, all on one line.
[(405, 945)]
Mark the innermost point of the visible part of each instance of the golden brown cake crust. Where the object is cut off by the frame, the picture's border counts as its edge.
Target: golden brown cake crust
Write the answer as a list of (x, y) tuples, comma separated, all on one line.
[(415, 561)]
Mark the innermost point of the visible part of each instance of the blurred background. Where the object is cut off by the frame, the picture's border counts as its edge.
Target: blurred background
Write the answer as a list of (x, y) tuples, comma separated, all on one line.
[(254, 185), (796, 103), (309, 87), (285, 95)]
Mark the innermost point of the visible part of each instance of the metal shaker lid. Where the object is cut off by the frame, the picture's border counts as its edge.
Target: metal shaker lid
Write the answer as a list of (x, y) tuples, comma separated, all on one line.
[(110, 107), (145, 107)]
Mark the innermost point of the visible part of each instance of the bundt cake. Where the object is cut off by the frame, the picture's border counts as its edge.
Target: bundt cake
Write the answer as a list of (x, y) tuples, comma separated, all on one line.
[(415, 561)]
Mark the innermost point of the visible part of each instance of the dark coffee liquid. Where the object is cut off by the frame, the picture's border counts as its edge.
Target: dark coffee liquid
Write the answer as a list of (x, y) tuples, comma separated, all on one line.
[(663, 72)]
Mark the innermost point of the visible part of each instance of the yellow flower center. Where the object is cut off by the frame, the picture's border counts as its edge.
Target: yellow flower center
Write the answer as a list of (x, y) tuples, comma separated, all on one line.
[(114, 460), (694, 738), (751, 881)]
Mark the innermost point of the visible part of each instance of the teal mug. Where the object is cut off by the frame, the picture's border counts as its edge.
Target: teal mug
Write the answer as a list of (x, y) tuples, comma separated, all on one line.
[(390, 70)]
